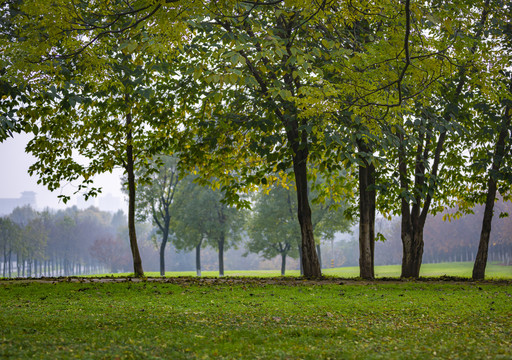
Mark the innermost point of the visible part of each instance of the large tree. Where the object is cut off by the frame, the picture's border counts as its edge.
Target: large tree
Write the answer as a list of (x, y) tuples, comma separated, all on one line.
[(92, 78)]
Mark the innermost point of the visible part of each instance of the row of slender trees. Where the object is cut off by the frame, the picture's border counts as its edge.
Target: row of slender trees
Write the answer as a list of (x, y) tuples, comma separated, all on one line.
[(411, 101), (56, 243)]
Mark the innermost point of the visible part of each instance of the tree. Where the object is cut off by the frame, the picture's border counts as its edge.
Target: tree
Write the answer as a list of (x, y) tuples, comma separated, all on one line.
[(154, 199), (201, 218), (92, 86), (494, 105), (249, 126), (112, 122), (272, 227), (10, 234), (109, 252)]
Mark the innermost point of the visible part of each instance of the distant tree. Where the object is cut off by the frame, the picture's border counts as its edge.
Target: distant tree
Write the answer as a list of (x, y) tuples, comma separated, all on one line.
[(201, 218), (34, 240), (10, 234), (111, 252), (23, 215), (272, 226), (153, 199)]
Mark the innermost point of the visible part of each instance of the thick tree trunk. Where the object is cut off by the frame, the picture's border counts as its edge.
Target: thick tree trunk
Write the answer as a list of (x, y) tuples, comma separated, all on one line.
[(366, 222), (309, 257), (412, 242), (413, 219), (283, 263), (137, 262), (198, 258), (221, 255), (499, 153)]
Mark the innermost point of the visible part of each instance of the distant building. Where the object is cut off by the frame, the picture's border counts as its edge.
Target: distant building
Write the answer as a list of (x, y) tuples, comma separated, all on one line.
[(7, 205)]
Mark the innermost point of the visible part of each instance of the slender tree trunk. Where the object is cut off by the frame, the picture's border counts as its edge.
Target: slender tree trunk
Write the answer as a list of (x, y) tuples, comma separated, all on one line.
[(283, 263), (137, 261), (165, 237), (10, 263), (221, 255), (499, 153), (198, 258), (4, 272), (301, 268), (18, 265)]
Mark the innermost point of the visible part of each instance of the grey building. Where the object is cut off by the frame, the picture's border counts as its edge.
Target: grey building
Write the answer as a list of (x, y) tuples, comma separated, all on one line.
[(7, 205)]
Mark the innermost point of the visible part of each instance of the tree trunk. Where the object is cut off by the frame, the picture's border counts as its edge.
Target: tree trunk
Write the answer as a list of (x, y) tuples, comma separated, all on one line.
[(499, 153), (165, 237), (412, 242), (198, 258), (283, 263), (366, 222), (301, 268), (5, 259), (221, 255), (10, 263), (137, 262), (309, 257)]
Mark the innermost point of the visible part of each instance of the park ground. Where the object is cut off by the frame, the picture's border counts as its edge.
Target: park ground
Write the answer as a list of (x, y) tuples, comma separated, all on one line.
[(256, 318)]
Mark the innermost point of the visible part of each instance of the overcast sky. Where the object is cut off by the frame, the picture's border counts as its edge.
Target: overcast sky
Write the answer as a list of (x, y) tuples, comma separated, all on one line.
[(14, 178)]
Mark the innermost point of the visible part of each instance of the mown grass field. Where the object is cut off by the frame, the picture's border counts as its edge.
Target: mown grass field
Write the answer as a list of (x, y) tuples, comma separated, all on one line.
[(235, 318), (461, 269)]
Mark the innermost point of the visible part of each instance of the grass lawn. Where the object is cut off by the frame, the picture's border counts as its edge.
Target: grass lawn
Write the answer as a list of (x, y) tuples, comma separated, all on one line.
[(461, 269), (255, 319)]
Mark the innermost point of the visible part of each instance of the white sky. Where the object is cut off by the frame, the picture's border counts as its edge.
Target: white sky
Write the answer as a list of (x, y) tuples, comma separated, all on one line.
[(14, 178)]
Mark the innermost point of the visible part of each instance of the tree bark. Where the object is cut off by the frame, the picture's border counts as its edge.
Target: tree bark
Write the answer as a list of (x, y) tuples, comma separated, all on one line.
[(198, 258), (137, 262), (283, 263), (5, 259), (413, 221), (499, 153), (221, 255), (165, 237), (366, 222), (309, 257), (412, 242)]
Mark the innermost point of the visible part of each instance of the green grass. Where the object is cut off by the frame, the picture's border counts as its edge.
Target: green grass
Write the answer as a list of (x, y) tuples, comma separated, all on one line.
[(255, 319), (461, 269)]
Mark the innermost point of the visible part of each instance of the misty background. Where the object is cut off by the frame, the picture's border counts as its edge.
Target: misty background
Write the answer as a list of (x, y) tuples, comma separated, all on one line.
[(454, 241)]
